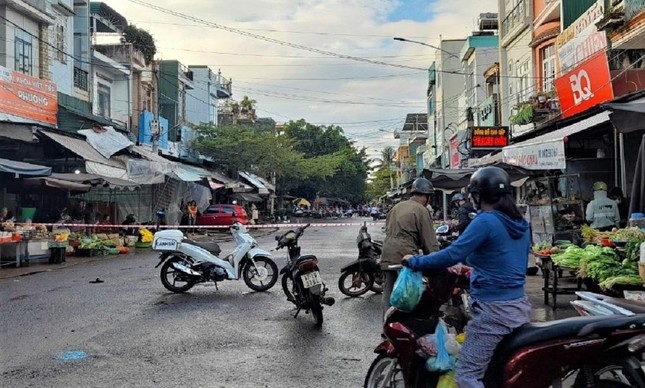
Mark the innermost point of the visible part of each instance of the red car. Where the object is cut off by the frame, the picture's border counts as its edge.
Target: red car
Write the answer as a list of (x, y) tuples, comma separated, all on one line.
[(222, 214)]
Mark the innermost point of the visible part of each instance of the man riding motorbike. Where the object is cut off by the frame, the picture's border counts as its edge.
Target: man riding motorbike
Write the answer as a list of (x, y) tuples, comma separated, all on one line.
[(497, 248), (464, 209)]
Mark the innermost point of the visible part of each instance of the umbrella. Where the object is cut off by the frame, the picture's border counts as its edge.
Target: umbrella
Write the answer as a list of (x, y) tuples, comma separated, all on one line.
[(301, 202), (637, 201), (456, 179)]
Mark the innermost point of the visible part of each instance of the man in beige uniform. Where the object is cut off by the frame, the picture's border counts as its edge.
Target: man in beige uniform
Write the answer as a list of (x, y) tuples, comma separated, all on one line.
[(408, 229)]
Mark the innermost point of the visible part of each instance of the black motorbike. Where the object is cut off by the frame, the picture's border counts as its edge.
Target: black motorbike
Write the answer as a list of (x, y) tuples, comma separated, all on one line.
[(363, 274), (301, 280)]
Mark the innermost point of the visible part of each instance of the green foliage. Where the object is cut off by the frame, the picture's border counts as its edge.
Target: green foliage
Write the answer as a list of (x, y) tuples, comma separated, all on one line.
[(142, 41), (524, 115), (380, 184)]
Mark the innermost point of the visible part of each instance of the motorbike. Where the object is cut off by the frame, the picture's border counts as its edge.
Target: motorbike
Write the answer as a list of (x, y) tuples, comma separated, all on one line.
[(363, 274), (577, 352), (185, 263), (301, 280)]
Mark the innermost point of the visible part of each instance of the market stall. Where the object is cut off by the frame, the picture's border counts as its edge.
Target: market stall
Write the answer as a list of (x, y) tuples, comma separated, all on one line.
[(605, 262)]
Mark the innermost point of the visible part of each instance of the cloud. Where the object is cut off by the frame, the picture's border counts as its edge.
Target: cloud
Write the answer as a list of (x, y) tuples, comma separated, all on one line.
[(292, 83)]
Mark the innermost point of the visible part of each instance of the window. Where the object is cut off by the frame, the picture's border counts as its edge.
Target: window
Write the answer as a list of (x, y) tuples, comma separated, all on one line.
[(23, 52), (103, 93), (547, 55), (60, 43)]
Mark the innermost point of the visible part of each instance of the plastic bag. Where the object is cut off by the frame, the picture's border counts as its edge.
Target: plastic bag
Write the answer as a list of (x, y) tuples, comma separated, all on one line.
[(407, 290), (447, 380), (427, 345), (443, 362)]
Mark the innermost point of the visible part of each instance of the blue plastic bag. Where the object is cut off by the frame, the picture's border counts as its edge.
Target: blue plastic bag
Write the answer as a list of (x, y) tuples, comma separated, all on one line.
[(443, 362), (407, 290)]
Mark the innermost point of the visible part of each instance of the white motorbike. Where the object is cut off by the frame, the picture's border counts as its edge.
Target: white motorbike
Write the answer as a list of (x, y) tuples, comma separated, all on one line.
[(185, 263)]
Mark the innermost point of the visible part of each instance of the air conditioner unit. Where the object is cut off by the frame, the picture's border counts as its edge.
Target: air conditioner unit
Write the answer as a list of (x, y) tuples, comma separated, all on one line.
[(488, 21), (154, 127)]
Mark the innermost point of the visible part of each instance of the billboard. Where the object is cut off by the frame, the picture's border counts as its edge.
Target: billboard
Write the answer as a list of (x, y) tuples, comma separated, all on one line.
[(582, 39), (27, 97), (455, 156), (587, 85)]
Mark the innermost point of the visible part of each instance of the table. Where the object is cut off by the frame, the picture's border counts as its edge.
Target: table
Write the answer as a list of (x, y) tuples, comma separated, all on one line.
[(17, 245), (552, 273)]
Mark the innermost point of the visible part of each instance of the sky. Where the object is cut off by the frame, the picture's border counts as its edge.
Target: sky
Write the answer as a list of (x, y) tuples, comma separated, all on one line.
[(277, 52)]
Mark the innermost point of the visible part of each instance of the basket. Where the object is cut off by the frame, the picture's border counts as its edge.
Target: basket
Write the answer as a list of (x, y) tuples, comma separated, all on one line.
[(140, 244), (88, 252), (641, 270)]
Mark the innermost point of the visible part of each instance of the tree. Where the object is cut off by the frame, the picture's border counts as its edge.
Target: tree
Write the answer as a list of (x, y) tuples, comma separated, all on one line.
[(141, 40)]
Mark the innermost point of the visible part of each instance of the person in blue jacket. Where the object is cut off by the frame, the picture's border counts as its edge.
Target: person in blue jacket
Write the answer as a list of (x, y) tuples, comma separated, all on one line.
[(496, 245)]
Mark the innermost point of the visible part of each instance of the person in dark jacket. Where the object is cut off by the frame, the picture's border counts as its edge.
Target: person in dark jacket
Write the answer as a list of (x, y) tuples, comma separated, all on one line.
[(496, 246), (464, 208)]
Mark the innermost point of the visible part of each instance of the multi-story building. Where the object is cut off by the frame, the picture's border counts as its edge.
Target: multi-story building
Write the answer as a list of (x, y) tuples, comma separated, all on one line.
[(202, 101), (175, 80), (412, 140), (449, 84)]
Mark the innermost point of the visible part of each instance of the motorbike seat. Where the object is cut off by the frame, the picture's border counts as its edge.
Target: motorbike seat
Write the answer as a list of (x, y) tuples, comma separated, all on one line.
[(304, 258), (532, 333), (211, 247)]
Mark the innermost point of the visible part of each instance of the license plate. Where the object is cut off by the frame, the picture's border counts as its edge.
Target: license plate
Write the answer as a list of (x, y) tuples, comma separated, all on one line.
[(161, 244), (311, 279)]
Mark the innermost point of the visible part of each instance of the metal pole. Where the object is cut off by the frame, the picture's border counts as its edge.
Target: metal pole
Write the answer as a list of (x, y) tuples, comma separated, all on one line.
[(616, 157), (623, 171)]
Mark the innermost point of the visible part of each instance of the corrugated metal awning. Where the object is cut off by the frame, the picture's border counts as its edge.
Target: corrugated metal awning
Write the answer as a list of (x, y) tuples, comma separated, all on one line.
[(252, 179), (82, 148), (22, 168)]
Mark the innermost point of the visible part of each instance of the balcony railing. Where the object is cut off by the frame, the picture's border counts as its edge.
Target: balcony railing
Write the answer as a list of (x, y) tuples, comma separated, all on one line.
[(518, 15), (81, 79)]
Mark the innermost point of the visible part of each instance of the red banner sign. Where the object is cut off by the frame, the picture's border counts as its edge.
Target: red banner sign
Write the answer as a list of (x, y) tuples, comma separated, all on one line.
[(27, 97), (455, 156), (588, 85), (488, 137)]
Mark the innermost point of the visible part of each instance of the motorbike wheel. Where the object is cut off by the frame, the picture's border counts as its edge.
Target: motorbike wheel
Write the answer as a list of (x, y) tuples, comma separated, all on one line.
[(316, 310), (287, 287), (379, 279), (605, 376), (175, 280), (384, 372), (355, 283), (265, 271)]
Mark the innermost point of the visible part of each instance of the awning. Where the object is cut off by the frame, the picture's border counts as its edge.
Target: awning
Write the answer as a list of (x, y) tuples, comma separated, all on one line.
[(546, 152), (488, 160), (188, 173), (59, 184), (22, 168), (457, 179), (248, 197), (627, 117), (81, 148), (252, 179), (106, 140), (221, 178), (95, 180), (216, 186)]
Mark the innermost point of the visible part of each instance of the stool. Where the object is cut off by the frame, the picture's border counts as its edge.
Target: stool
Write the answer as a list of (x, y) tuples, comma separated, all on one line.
[(57, 255)]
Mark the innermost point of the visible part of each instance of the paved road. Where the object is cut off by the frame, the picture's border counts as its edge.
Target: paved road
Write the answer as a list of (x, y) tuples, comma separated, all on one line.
[(136, 334)]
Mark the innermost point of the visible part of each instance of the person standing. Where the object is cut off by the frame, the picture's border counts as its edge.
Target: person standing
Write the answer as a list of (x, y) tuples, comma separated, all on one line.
[(497, 247), (602, 212), (623, 205), (192, 214), (408, 229)]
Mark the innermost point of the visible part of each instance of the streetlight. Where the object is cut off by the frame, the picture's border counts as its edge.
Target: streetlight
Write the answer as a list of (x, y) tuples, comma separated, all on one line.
[(425, 44)]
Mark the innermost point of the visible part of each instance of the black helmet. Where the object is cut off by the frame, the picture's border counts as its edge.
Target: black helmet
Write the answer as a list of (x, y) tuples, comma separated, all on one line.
[(422, 186), (458, 197), (488, 183)]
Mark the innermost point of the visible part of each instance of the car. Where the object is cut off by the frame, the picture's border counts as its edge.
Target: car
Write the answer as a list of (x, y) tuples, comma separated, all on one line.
[(222, 214)]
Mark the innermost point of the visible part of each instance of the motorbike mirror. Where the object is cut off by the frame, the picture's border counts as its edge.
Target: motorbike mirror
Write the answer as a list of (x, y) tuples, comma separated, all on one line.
[(443, 229), (277, 238), (472, 215), (234, 215)]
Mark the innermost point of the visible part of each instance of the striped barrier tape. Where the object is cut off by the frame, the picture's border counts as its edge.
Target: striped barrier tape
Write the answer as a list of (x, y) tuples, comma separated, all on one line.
[(154, 226)]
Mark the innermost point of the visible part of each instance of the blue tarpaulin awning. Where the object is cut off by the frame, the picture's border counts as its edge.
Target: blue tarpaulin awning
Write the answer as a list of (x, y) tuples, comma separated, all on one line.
[(22, 168)]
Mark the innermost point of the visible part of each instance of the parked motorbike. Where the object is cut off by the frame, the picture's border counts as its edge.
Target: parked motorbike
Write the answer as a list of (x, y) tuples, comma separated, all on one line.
[(578, 352), (301, 280), (185, 262), (363, 274)]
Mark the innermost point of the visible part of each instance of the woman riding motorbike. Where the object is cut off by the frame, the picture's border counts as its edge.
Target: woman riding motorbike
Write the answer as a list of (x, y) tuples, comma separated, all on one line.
[(496, 245)]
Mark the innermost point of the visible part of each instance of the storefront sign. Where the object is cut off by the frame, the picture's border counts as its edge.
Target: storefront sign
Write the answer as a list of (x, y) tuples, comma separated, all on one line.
[(27, 97), (633, 8), (582, 39), (488, 138), (487, 112), (455, 156), (588, 85), (543, 156)]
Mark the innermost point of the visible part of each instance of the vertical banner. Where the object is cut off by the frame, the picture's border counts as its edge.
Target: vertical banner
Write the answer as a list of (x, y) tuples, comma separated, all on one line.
[(455, 156)]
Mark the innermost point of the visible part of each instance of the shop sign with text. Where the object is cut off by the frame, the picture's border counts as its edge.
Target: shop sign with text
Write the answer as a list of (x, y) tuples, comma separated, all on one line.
[(586, 86), (582, 39), (455, 156), (487, 111), (541, 156), (27, 97), (488, 138)]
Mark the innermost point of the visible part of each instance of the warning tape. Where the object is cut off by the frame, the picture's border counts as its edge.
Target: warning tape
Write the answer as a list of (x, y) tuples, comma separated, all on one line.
[(154, 226)]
